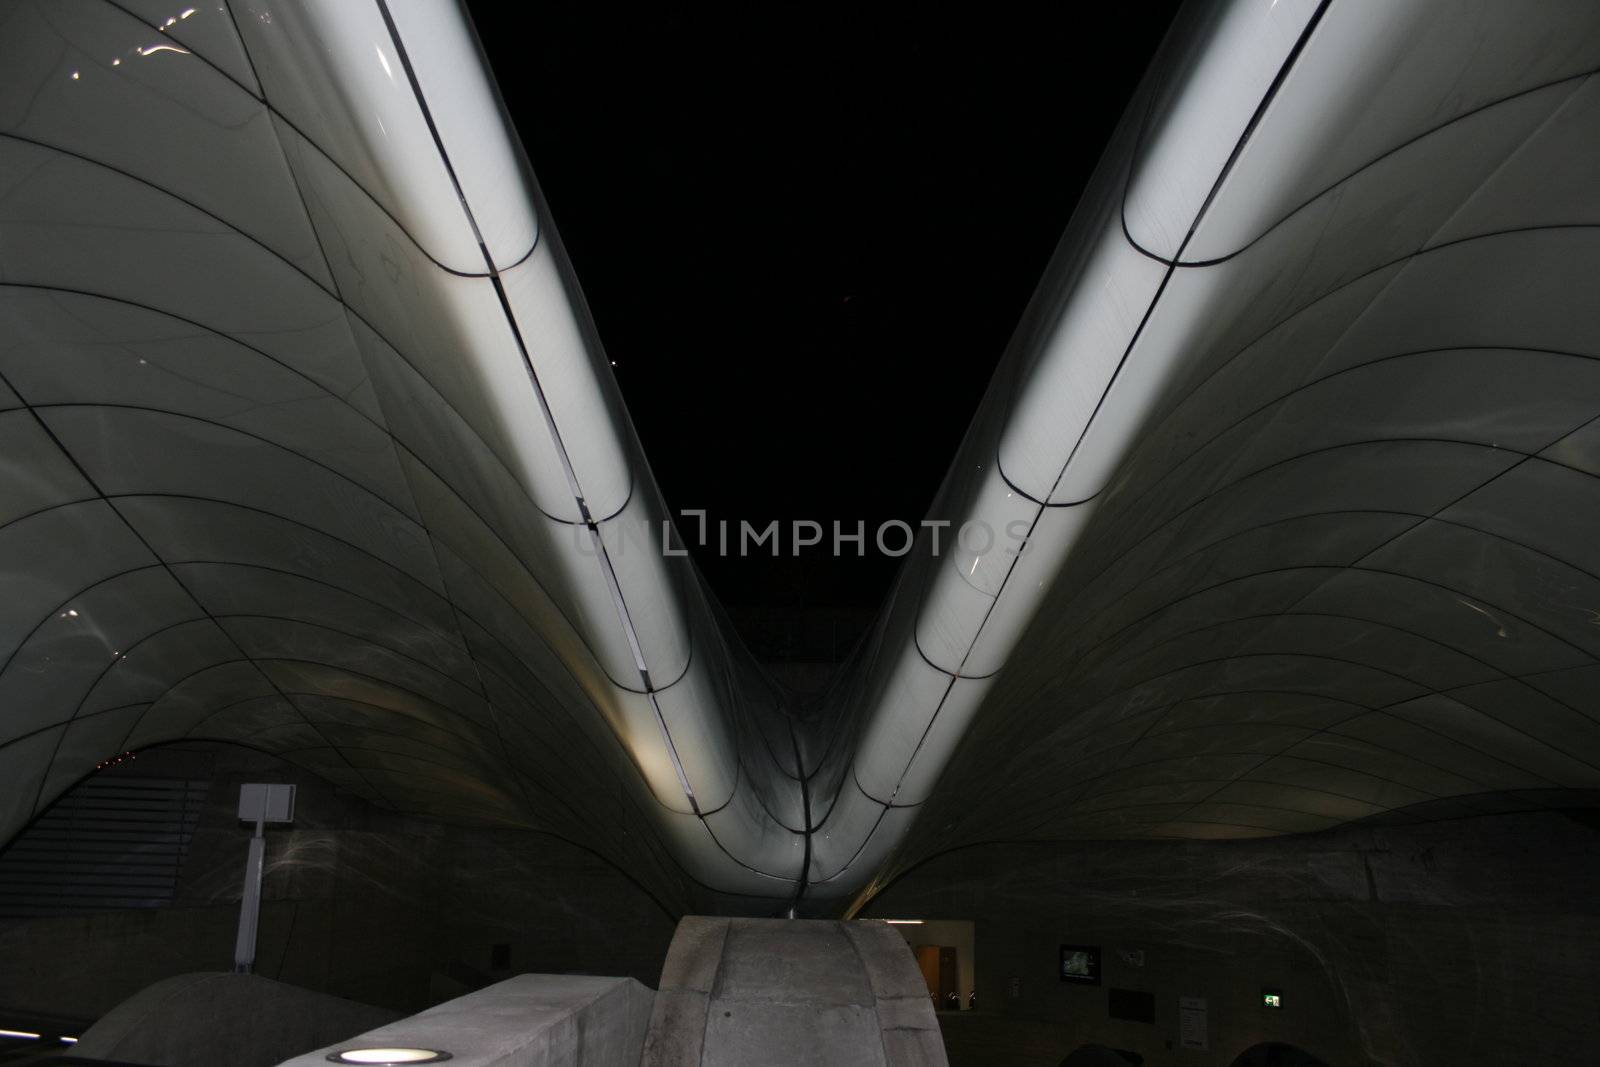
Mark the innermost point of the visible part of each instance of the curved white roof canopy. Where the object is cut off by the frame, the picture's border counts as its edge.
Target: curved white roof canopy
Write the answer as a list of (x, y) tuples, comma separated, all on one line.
[(309, 444)]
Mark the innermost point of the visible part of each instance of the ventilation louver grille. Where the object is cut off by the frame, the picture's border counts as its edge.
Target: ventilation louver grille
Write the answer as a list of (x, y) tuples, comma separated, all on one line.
[(113, 842)]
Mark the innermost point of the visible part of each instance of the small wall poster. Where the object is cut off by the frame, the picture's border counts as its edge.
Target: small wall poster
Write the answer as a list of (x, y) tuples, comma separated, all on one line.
[(1192, 1023), (1080, 963)]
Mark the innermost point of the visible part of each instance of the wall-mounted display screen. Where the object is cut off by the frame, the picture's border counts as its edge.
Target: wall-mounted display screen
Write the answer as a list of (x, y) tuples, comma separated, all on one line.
[(1080, 963)]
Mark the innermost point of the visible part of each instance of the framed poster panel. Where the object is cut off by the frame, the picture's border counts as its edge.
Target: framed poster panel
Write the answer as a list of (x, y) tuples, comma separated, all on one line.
[(1081, 964)]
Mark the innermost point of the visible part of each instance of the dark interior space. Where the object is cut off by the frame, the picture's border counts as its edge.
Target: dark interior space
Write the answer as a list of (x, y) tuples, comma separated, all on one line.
[(1406, 941)]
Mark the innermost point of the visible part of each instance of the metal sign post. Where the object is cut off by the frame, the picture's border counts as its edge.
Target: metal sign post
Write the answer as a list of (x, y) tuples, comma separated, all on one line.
[(262, 804)]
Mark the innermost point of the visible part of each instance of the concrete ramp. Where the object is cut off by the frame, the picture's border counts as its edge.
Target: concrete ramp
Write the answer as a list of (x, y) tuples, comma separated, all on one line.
[(791, 992)]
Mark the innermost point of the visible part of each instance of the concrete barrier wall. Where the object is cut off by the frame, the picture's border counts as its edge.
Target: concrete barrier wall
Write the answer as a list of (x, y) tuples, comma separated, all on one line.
[(532, 1020)]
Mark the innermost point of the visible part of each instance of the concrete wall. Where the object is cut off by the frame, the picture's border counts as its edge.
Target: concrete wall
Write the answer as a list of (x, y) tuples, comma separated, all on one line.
[(1464, 942), (358, 903), (532, 1020)]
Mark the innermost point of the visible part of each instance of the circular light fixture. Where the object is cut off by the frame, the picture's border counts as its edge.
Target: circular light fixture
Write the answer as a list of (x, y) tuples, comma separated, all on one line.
[(388, 1057)]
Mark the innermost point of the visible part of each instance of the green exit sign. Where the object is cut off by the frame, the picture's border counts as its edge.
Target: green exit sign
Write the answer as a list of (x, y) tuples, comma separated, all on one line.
[(1271, 998)]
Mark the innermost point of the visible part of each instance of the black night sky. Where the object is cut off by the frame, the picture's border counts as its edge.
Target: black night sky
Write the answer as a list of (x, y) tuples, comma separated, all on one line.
[(807, 236)]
